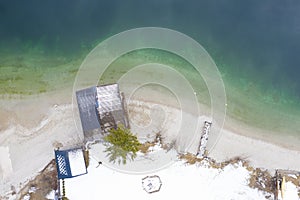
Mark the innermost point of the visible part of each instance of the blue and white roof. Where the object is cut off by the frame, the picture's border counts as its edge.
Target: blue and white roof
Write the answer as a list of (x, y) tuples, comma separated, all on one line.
[(70, 163)]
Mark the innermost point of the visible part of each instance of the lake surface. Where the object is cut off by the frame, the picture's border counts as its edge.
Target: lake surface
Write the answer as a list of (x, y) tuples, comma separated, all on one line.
[(255, 44)]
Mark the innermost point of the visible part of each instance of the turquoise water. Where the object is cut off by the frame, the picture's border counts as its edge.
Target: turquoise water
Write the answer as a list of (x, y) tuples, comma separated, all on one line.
[(255, 44)]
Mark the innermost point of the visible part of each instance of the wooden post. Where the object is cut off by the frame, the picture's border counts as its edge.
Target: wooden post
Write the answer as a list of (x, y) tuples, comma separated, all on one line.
[(63, 188), (58, 189)]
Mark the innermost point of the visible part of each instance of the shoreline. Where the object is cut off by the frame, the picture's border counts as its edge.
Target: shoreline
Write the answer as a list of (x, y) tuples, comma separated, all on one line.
[(52, 124), (260, 153), (38, 140)]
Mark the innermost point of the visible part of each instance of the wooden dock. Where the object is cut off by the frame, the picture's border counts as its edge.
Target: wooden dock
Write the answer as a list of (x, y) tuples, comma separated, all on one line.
[(201, 152)]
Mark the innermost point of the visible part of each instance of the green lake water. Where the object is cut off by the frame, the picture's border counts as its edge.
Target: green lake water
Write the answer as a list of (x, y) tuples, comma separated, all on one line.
[(255, 44)]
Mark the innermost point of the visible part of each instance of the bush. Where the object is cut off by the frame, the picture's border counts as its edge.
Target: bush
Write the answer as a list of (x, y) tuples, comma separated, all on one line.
[(121, 144)]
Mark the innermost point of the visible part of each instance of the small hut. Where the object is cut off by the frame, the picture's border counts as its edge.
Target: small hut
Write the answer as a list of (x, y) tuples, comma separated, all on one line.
[(70, 163), (100, 108)]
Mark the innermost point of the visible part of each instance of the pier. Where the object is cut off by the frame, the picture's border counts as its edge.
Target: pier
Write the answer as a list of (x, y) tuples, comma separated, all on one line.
[(201, 152)]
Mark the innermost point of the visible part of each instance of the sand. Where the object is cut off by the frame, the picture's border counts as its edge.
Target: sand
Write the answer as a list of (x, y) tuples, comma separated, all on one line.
[(6, 169), (26, 144)]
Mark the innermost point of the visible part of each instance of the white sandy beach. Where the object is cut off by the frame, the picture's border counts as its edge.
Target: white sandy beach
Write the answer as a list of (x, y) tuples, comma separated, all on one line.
[(27, 147)]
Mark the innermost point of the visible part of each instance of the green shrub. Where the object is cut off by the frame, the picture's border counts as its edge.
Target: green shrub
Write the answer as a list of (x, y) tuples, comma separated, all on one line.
[(121, 144)]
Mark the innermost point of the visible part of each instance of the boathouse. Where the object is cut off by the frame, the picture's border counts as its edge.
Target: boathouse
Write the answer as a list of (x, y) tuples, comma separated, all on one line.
[(100, 108)]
